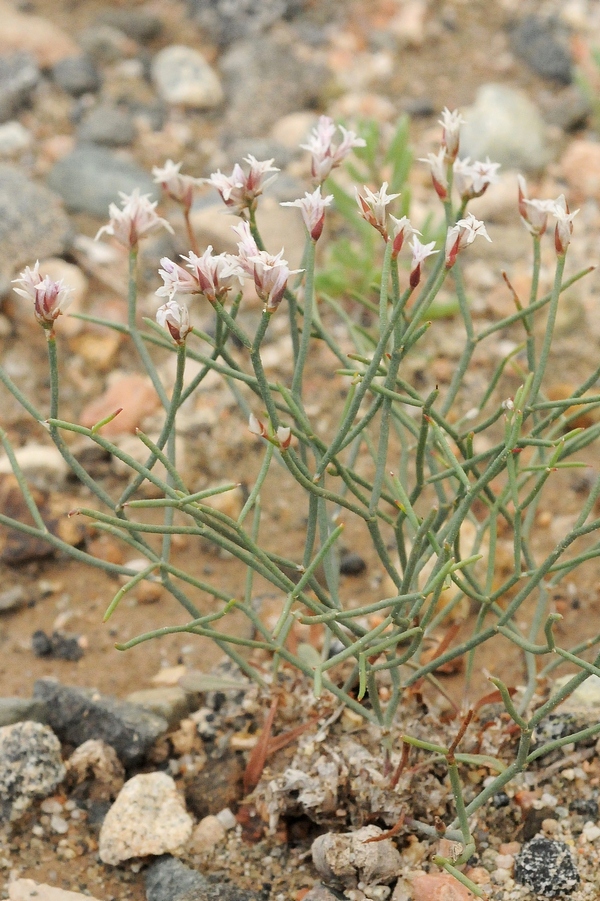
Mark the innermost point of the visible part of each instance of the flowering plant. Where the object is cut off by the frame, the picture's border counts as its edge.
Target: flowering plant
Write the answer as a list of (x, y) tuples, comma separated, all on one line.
[(429, 479)]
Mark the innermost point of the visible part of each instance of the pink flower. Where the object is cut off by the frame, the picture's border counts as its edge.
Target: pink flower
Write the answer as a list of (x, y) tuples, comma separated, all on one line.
[(472, 179), (534, 213), (564, 224), (312, 207), (461, 235), (240, 191), (247, 247), (438, 164), (420, 252), (176, 280), (402, 230), (137, 218), (451, 122), (325, 155), (373, 207), (271, 274), (179, 187), (212, 275), (50, 298), (176, 319)]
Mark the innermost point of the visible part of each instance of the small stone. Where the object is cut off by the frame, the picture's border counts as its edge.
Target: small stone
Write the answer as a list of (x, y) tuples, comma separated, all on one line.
[(107, 124), (35, 35), (57, 646), (148, 817), (30, 766), (91, 177), (185, 739), (539, 43), (547, 867), (182, 77), (167, 879), (133, 393), (170, 703), (208, 833), (43, 465), (59, 824), (96, 764), (591, 832), (28, 890), (346, 859), (77, 715), (12, 599), (438, 887), (14, 139), (217, 786), (352, 564), (77, 75), (585, 807), (505, 125), (226, 819), (17, 710), (107, 44)]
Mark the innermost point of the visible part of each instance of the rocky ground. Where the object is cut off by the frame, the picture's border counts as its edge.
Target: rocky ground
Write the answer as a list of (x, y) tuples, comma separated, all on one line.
[(92, 95)]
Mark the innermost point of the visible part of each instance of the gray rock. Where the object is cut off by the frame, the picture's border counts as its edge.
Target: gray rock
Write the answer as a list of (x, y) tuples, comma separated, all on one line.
[(77, 75), (542, 46), (221, 892), (107, 124), (12, 599), (19, 75), (547, 867), (182, 76), (90, 178), (33, 224), (167, 879), (266, 76), (17, 710), (229, 20), (170, 702), (139, 24), (77, 716), (106, 44), (320, 893), (506, 126), (30, 766)]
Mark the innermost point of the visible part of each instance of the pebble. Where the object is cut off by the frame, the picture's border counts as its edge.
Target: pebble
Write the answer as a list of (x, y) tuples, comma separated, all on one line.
[(77, 715), (208, 833), (148, 817), (28, 890), (170, 703), (30, 766), (134, 393), (40, 37), (19, 76), (352, 564), (345, 859), (17, 710), (57, 646), (58, 824), (107, 124), (14, 139), (504, 125), (91, 177), (77, 75), (12, 598), (547, 867), (226, 819), (33, 224), (267, 76), (226, 21), (539, 43), (182, 77), (96, 763), (438, 887), (42, 465), (106, 44), (319, 893), (167, 879)]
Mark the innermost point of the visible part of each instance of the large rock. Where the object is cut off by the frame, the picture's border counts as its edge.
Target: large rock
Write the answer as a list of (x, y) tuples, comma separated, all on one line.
[(148, 817), (77, 715), (90, 178), (33, 223), (30, 767)]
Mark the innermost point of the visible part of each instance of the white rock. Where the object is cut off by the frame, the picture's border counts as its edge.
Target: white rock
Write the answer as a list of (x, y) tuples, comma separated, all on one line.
[(182, 76), (14, 138), (148, 817), (28, 890), (226, 819), (347, 858), (41, 464)]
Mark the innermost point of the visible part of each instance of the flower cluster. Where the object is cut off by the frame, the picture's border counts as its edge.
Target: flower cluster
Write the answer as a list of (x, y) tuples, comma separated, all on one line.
[(137, 218), (212, 275), (325, 155), (50, 298), (534, 215), (270, 272), (239, 191)]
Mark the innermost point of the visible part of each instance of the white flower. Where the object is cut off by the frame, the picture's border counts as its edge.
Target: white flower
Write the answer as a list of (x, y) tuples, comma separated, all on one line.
[(176, 318), (216, 274), (284, 436), (564, 224), (179, 187), (420, 252), (402, 230), (534, 213), (271, 274), (461, 235), (136, 219), (373, 207), (257, 427), (247, 247), (472, 179), (438, 165), (312, 207), (240, 191), (176, 280), (325, 155), (451, 122), (50, 298)]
